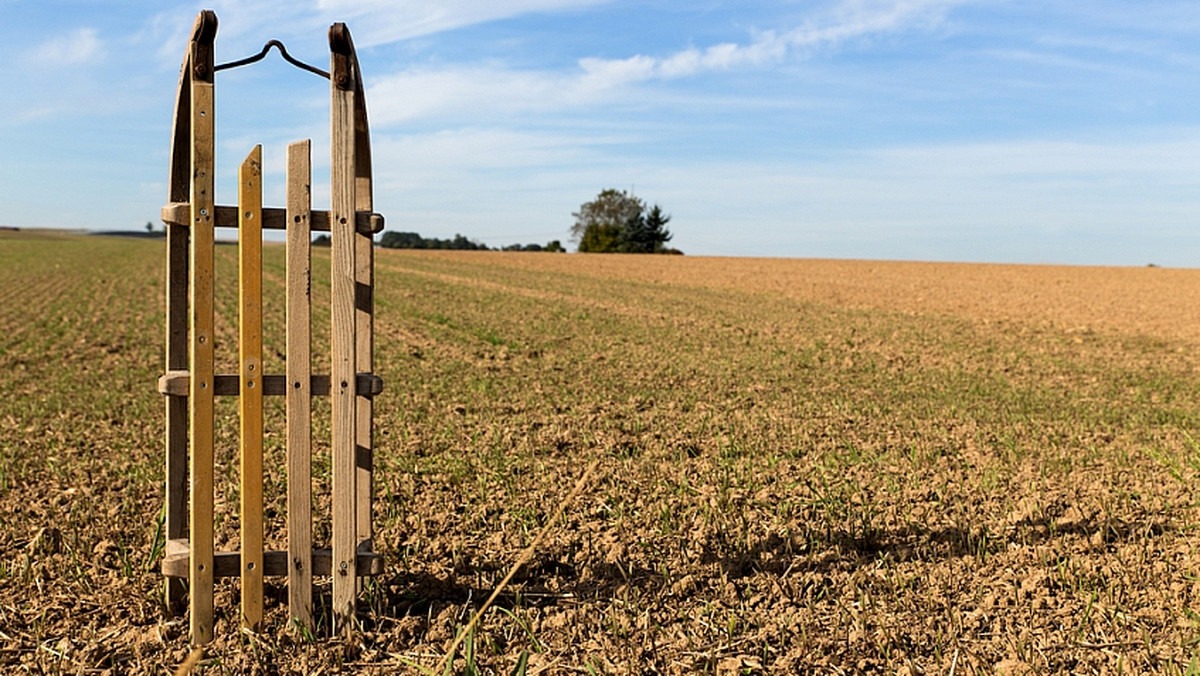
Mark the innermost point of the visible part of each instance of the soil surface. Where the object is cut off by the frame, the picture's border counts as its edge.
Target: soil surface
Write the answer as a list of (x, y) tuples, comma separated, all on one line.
[(802, 466)]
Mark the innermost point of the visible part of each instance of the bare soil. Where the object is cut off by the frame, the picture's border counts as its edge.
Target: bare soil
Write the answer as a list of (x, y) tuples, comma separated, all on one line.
[(804, 467)]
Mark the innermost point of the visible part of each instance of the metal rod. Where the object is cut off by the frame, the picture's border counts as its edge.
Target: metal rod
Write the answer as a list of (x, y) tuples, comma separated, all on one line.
[(282, 52)]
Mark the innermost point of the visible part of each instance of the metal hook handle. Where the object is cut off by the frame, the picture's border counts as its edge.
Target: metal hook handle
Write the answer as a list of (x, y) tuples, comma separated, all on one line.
[(282, 52)]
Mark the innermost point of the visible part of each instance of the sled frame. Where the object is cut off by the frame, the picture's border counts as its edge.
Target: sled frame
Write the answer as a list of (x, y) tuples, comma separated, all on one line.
[(191, 563)]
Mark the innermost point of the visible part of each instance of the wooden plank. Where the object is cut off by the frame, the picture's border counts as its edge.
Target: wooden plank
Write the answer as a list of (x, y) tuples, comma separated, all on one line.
[(274, 218), (364, 319), (201, 333), (275, 563), (176, 415), (364, 425), (176, 419), (343, 344), (250, 401), (299, 395), (177, 384)]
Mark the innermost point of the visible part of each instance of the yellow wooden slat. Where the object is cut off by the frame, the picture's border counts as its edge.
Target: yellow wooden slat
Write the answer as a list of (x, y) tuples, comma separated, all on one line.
[(299, 378), (250, 401), (343, 360), (200, 284)]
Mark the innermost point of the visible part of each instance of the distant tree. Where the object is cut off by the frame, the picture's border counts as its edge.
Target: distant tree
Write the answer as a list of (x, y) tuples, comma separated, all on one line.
[(616, 222), (401, 240), (601, 238), (149, 227), (322, 240), (656, 229), (553, 246), (412, 240), (645, 233), (598, 223)]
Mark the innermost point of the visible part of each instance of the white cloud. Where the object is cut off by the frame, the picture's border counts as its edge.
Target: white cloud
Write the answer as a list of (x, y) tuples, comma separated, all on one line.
[(766, 48), (76, 48), (853, 19), (426, 93), (459, 89), (383, 21)]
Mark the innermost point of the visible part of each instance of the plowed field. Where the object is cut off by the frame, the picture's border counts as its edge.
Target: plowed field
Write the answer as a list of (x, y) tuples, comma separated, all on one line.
[(803, 466)]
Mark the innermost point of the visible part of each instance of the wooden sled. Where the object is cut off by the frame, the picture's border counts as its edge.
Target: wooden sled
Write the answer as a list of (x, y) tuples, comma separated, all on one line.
[(190, 385)]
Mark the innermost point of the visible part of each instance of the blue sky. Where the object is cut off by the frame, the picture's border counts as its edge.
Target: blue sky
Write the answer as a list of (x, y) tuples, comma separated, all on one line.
[(1049, 131)]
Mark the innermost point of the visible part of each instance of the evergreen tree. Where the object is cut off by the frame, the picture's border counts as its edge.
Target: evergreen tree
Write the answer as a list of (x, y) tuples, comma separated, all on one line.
[(645, 233), (655, 229)]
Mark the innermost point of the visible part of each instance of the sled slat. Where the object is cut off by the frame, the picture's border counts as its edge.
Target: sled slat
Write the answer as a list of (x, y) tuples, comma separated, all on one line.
[(202, 336), (299, 394), (250, 401), (342, 329)]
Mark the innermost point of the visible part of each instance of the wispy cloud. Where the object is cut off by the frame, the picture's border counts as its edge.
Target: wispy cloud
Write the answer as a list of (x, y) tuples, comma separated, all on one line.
[(78, 47), (427, 91), (852, 19), (385, 21), (847, 20)]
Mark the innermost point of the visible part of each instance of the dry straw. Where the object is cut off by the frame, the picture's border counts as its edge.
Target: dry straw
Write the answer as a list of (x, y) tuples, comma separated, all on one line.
[(190, 663), (521, 560)]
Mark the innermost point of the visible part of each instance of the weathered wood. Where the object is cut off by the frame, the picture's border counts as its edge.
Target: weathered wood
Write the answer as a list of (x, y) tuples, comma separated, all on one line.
[(275, 563), (176, 415), (342, 328), (177, 384), (364, 305), (191, 383), (299, 395), (250, 401), (200, 285), (274, 218)]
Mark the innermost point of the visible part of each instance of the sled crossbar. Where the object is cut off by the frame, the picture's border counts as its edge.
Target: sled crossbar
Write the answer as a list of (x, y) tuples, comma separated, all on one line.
[(191, 384), (177, 383), (273, 218)]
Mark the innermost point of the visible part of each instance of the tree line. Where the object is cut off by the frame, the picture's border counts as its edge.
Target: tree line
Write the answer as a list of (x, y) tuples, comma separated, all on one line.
[(614, 222), (412, 240)]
